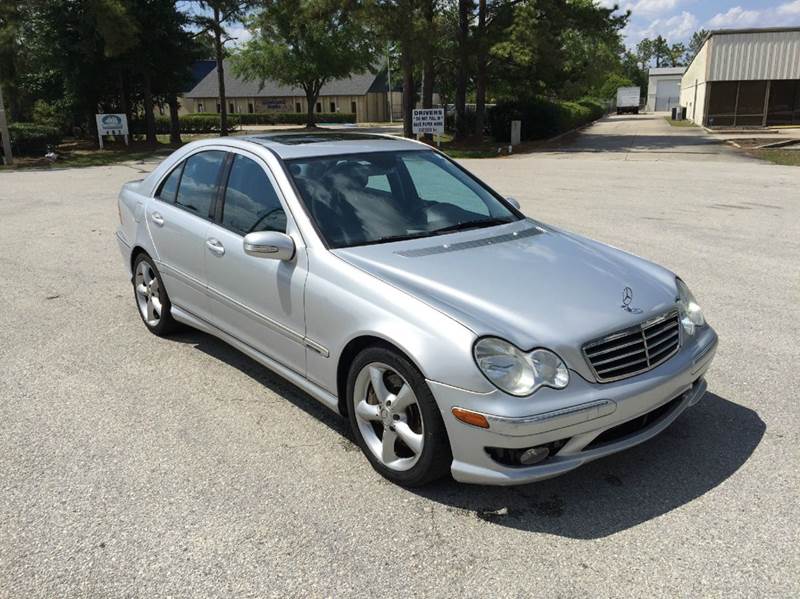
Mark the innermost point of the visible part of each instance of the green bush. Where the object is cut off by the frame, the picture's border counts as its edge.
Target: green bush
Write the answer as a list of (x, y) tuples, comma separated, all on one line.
[(208, 122), (541, 117), (53, 114), (31, 139)]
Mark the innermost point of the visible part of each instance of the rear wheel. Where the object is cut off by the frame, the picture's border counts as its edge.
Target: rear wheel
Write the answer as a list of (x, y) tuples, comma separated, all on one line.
[(395, 419), (151, 297)]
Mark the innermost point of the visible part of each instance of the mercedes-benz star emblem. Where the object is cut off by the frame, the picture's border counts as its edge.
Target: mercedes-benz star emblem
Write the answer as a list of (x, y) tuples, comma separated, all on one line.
[(627, 298)]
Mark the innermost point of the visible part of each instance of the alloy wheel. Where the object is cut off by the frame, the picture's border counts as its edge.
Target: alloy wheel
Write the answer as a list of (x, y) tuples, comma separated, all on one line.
[(148, 293), (388, 416)]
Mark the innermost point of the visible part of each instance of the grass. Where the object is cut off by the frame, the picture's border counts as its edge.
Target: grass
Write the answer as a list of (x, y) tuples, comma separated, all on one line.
[(782, 157), (683, 123), (83, 153)]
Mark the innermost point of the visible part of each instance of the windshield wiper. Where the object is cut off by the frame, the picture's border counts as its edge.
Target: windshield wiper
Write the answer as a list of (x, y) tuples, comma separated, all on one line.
[(390, 238), (471, 224)]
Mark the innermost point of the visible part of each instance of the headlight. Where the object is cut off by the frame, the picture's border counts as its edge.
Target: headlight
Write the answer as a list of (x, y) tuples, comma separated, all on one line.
[(517, 372), (691, 313)]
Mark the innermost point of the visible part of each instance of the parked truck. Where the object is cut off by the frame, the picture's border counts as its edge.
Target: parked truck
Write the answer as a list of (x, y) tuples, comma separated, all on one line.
[(628, 100)]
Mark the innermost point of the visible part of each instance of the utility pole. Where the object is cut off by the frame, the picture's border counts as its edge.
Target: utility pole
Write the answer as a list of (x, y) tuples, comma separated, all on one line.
[(4, 131)]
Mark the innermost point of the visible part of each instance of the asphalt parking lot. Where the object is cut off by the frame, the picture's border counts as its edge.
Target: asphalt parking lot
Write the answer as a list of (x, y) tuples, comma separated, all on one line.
[(136, 466)]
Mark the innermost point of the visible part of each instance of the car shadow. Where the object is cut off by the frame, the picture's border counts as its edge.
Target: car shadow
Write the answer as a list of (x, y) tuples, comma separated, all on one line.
[(705, 446)]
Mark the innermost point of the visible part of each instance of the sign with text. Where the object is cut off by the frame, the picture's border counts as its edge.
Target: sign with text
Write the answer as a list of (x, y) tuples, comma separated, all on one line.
[(111, 124), (428, 120)]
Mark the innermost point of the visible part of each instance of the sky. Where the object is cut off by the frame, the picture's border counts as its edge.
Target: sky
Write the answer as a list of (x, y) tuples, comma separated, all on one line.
[(676, 20)]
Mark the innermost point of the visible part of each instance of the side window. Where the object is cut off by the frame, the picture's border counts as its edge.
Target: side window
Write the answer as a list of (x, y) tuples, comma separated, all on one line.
[(199, 183), (379, 183), (251, 203), (435, 184), (169, 187)]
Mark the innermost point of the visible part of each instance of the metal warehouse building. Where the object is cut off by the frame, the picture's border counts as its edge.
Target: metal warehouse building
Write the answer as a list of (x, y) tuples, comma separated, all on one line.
[(745, 78), (664, 88)]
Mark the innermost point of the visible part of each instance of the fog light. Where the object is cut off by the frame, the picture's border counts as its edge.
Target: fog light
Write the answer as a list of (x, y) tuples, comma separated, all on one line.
[(534, 455)]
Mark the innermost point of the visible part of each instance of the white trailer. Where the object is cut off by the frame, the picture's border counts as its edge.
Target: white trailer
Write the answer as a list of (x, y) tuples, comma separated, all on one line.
[(628, 99)]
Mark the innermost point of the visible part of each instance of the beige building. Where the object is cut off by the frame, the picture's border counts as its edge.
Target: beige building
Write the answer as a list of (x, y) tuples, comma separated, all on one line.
[(745, 78), (363, 95)]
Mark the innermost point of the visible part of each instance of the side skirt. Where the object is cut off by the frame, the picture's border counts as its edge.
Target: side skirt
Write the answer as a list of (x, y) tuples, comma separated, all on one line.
[(315, 391)]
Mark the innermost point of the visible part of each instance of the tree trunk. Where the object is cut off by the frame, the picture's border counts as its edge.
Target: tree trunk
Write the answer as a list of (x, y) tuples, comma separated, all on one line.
[(480, 75), (311, 101), (124, 104), (427, 62), (174, 121), (149, 117), (220, 56), (407, 64), (464, 10)]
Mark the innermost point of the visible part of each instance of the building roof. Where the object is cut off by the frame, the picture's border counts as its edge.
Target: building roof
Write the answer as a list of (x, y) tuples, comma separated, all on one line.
[(199, 69), (355, 85), (659, 71)]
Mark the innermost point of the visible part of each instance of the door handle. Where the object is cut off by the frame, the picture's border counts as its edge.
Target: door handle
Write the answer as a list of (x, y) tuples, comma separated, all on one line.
[(157, 218), (215, 246)]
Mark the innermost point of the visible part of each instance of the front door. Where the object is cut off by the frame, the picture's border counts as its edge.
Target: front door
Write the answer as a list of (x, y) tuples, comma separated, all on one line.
[(178, 219), (257, 300)]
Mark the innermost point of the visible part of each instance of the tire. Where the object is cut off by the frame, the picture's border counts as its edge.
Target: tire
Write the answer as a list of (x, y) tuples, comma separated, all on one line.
[(393, 411), (150, 295)]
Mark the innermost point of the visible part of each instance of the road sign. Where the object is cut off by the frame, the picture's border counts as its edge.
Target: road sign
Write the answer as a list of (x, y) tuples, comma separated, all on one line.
[(111, 124), (428, 121)]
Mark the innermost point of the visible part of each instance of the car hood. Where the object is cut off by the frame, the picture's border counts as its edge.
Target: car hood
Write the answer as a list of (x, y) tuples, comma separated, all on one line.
[(529, 283)]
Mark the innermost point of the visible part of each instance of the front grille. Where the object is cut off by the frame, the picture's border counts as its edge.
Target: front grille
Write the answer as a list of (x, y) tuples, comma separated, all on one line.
[(634, 350)]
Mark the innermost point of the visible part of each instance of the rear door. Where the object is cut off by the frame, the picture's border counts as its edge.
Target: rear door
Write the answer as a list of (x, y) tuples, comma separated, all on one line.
[(257, 300), (178, 220)]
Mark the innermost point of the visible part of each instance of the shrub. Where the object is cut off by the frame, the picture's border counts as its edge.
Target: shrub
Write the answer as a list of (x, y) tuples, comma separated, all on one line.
[(541, 117), (208, 122), (32, 139), (53, 114)]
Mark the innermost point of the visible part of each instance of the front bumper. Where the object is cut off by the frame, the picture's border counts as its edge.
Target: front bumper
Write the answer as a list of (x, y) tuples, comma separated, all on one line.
[(574, 416)]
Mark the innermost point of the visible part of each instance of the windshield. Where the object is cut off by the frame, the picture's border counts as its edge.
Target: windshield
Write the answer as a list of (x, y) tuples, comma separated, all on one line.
[(358, 199)]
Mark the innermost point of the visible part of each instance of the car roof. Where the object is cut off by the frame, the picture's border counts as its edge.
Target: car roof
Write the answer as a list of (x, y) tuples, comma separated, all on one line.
[(306, 144)]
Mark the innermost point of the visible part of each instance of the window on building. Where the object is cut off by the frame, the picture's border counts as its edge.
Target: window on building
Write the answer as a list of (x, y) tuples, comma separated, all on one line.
[(319, 106), (219, 107), (231, 108), (784, 103), (200, 107), (251, 203), (298, 107), (333, 107), (353, 107), (250, 108), (199, 182)]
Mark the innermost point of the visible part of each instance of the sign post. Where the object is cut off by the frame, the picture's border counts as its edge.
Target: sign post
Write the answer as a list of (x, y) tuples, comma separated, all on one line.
[(111, 124), (9, 159), (428, 121)]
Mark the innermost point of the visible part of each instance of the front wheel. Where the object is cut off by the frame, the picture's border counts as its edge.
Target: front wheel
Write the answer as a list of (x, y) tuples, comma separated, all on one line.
[(395, 419)]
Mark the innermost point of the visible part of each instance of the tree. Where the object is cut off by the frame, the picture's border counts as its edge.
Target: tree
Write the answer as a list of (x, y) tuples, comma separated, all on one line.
[(465, 11), (677, 54), (305, 44), (695, 44), (661, 51), (213, 22)]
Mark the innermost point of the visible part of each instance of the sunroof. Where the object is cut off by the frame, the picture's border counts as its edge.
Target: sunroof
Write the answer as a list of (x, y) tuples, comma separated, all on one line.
[(293, 139)]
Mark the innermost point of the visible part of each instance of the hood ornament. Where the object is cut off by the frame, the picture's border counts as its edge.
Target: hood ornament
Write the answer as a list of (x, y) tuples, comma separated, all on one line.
[(627, 298)]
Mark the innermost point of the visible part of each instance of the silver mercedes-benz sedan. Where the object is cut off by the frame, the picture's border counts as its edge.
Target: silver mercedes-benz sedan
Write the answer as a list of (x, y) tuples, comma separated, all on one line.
[(455, 333)]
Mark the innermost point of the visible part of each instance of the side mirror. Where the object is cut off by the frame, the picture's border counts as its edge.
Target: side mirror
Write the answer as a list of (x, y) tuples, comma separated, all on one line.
[(269, 244), (513, 202)]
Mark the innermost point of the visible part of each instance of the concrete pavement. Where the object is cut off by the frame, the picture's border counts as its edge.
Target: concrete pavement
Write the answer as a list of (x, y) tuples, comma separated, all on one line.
[(135, 466)]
